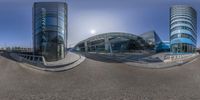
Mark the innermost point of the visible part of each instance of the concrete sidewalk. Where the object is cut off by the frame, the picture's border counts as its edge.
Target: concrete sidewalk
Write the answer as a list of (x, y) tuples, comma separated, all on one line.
[(146, 61), (71, 60)]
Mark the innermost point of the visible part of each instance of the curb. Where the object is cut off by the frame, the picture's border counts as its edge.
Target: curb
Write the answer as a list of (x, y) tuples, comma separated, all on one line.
[(151, 66), (67, 67)]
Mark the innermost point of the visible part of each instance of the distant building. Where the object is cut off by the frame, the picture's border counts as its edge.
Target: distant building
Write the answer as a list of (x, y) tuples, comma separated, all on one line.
[(152, 39), (119, 42), (183, 29), (50, 29), (22, 49)]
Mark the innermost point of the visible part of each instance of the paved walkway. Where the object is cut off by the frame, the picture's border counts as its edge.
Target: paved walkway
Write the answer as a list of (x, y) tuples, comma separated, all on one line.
[(146, 61), (99, 79), (69, 58)]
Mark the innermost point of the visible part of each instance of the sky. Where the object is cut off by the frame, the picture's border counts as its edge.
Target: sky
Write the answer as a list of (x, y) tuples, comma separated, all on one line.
[(87, 18)]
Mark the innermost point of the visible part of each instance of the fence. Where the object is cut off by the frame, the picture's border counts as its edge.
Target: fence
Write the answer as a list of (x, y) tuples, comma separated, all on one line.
[(177, 57), (33, 59)]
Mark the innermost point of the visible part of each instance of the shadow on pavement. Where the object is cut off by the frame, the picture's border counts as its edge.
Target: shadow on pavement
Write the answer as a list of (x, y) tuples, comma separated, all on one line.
[(122, 59), (148, 60), (99, 57)]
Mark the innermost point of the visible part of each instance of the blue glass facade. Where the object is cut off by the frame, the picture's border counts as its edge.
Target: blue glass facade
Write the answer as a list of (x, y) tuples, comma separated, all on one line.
[(50, 29), (152, 39), (163, 46), (183, 29)]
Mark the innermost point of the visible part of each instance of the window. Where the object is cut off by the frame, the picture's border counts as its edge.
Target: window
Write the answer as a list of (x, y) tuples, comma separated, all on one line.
[(51, 21), (61, 23), (60, 39), (184, 22), (183, 35), (183, 27)]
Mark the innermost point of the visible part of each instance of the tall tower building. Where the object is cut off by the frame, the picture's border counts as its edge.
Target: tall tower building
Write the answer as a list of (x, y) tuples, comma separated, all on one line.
[(183, 29), (50, 29)]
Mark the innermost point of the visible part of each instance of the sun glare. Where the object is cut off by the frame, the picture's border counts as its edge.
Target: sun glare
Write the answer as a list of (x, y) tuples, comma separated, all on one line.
[(93, 31)]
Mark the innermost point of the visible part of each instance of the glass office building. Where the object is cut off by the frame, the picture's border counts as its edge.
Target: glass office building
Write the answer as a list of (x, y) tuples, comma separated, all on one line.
[(152, 39), (183, 29), (50, 29), (119, 42), (163, 46)]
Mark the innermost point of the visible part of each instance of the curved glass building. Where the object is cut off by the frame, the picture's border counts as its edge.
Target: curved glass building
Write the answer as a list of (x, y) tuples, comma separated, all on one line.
[(50, 29), (115, 42), (183, 29)]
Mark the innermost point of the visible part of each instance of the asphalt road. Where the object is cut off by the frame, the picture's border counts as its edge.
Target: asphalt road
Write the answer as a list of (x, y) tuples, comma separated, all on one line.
[(98, 80)]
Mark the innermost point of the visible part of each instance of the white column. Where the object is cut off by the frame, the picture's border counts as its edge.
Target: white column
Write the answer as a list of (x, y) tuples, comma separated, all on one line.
[(86, 46), (107, 44)]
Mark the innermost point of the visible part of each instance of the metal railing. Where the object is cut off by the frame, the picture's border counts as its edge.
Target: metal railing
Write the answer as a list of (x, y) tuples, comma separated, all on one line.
[(33, 59), (177, 57)]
